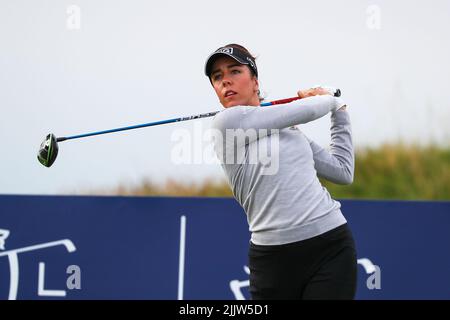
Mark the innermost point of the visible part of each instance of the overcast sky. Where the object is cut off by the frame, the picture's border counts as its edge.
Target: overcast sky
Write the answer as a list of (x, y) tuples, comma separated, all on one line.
[(71, 67)]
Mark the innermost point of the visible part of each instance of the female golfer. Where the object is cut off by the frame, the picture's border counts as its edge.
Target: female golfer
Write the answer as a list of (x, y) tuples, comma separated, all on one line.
[(301, 246)]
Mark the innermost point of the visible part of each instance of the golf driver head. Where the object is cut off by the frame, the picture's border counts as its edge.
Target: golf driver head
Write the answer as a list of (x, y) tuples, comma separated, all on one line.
[(48, 150)]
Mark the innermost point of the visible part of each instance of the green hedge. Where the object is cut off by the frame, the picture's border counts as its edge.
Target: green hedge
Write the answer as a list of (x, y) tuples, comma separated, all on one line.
[(387, 172), (398, 172)]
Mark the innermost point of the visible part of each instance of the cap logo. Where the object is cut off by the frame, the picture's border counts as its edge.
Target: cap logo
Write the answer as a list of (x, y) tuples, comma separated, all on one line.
[(251, 62), (226, 50)]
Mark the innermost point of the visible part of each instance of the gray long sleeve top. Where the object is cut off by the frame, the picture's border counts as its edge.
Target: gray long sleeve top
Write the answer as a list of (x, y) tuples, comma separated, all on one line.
[(272, 167)]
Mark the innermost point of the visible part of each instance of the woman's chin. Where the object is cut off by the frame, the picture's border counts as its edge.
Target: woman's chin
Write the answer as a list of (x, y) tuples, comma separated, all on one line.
[(231, 104)]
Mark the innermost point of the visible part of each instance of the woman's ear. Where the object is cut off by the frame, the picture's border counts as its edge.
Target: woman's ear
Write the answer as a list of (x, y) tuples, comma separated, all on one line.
[(256, 88)]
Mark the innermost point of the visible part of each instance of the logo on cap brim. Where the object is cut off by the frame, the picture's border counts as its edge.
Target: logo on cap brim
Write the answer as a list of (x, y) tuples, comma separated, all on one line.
[(225, 50)]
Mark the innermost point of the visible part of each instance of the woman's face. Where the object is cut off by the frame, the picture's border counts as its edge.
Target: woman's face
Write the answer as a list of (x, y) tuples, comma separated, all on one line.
[(234, 83)]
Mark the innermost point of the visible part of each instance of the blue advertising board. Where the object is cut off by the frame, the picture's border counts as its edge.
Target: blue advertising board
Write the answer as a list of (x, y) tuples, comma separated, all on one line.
[(84, 247)]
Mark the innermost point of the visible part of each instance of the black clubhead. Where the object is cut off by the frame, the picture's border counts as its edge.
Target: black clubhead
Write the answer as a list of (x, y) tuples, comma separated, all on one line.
[(48, 150)]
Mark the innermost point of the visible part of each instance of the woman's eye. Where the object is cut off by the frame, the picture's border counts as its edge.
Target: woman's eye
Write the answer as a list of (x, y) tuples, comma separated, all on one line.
[(216, 77), (236, 71)]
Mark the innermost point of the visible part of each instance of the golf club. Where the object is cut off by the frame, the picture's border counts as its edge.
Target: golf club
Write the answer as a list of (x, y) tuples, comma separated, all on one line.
[(48, 151)]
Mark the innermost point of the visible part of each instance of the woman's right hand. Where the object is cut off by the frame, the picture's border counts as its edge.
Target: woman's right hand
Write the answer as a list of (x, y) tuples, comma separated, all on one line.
[(317, 91)]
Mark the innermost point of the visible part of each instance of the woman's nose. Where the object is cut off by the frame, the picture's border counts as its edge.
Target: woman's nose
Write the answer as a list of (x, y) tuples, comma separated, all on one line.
[(226, 81)]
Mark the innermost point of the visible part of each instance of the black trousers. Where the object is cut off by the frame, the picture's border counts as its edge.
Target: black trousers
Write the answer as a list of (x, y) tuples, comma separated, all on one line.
[(322, 267)]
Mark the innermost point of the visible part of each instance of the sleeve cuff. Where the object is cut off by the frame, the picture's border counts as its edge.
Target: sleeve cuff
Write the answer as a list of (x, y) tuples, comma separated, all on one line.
[(340, 117), (338, 103)]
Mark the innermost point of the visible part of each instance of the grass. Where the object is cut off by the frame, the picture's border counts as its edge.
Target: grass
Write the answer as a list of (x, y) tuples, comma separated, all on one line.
[(398, 172), (393, 171)]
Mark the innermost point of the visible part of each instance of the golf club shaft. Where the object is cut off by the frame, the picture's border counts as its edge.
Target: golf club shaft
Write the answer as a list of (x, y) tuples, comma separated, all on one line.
[(150, 124), (156, 123)]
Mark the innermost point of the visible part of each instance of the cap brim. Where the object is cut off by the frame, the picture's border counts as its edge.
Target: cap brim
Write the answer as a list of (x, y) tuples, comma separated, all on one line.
[(212, 58)]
